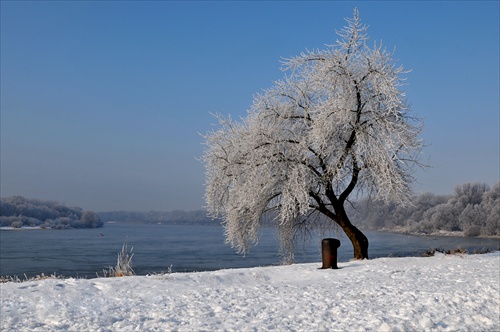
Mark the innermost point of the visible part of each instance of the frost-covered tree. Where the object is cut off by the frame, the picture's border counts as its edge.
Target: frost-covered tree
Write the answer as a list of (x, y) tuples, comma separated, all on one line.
[(337, 125), (91, 219), (491, 206), (469, 193)]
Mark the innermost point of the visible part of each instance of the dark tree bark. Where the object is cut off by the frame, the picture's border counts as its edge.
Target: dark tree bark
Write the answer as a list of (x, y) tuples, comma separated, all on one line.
[(358, 239)]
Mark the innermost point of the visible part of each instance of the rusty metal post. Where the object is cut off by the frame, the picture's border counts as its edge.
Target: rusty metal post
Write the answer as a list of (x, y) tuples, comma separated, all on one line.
[(329, 253)]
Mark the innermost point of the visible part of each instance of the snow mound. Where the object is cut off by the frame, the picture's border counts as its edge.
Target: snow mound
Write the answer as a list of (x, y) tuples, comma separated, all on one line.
[(440, 293)]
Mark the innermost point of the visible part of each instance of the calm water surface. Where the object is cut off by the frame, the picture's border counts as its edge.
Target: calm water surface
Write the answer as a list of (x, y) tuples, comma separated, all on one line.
[(84, 252)]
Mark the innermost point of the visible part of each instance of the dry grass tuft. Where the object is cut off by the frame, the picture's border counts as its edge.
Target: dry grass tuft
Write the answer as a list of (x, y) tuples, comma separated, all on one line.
[(123, 264), (432, 251), (4, 279)]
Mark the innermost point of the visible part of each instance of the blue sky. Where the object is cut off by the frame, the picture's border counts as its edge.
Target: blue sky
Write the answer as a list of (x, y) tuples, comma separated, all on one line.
[(102, 102)]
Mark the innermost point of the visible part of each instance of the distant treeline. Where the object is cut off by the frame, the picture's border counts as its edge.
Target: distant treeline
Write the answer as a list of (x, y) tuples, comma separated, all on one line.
[(473, 209), (196, 217), (17, 211)]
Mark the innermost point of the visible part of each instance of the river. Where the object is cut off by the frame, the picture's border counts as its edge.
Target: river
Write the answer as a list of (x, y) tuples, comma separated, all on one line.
[(182, 248)]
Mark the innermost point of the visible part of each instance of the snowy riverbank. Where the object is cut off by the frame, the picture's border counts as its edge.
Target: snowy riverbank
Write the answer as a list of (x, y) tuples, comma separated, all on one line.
[(440, 293)]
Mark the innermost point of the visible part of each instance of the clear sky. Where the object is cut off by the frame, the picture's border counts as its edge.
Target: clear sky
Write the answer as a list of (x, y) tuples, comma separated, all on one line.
[(102, 103)]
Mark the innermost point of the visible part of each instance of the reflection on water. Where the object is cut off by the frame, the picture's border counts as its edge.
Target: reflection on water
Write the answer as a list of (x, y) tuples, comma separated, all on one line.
[(85, 252)]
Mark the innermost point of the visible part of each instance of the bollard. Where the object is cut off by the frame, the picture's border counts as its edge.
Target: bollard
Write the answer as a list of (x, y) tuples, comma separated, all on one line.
[(329, 253)]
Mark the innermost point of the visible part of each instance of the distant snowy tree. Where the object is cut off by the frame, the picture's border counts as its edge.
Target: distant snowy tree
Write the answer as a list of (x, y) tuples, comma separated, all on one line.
[(337, 125), (423, 203), (17, 224), (491, 208), (444, 217), (91, 219), (7, 208), (470, 193), (471, 219)]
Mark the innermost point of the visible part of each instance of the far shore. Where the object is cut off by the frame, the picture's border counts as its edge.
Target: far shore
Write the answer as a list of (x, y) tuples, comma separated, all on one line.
[(440, 233), (437, 233), (24, 228)]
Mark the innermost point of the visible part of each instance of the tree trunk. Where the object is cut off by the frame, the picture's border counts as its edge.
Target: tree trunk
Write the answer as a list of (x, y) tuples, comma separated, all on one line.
[(358, 239)]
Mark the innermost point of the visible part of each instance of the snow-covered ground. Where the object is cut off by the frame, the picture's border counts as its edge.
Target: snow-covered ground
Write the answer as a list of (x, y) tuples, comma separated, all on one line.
[(444, 292)]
